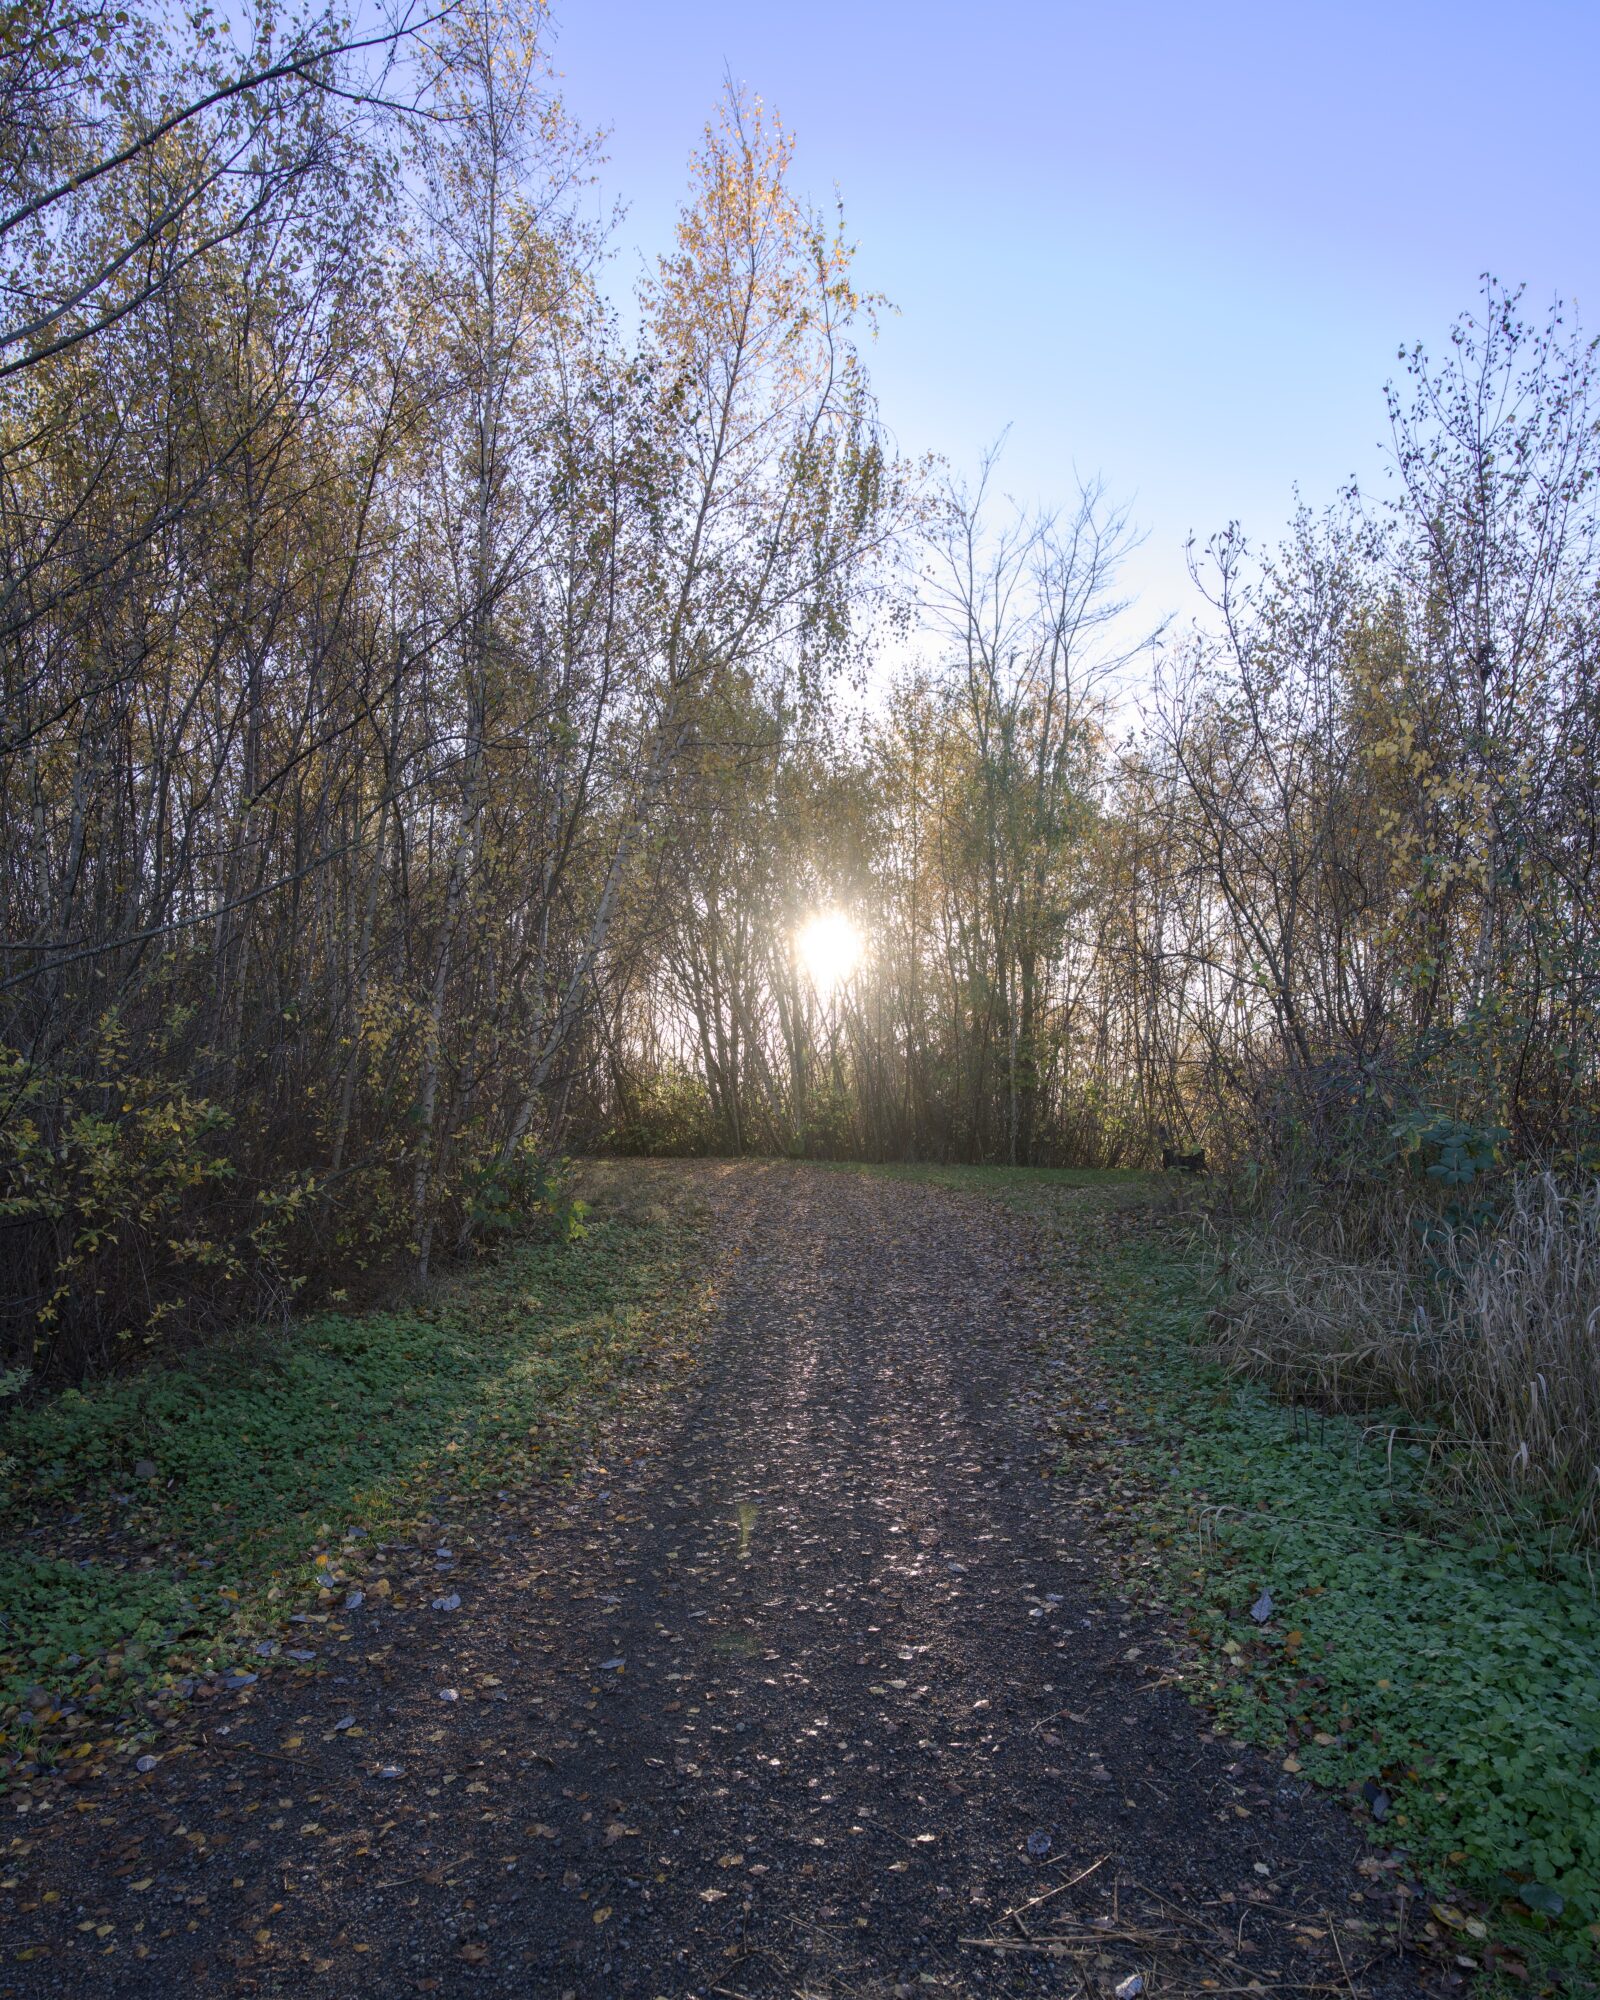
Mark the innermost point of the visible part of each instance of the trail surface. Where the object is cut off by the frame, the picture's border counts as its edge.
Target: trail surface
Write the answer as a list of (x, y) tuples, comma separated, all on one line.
[(806, 1688)]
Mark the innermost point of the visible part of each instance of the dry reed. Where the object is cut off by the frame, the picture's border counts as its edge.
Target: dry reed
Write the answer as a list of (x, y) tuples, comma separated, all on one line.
[(1490, 1338)]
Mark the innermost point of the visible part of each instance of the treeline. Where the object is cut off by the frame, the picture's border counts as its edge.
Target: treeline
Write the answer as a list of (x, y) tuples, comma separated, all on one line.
[(1315, 887), (958, 818), (364, 594), (428, 716)]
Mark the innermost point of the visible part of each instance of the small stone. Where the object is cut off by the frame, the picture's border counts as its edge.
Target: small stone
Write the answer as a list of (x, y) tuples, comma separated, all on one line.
[(354, 1600), (345, 1722), (450, 1603), (1038, 1844), (147, 1763), (1131, 1987), (448, 1694)]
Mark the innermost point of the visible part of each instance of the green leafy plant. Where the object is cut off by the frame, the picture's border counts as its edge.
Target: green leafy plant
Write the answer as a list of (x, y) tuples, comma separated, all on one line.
[(233, 1469), (1408, 1649), (1436, 1673), (532, 1186)]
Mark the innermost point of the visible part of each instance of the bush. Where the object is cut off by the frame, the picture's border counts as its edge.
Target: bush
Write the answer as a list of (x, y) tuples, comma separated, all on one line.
[(123, 1211), (137, 1216), (667, 1115), (530, 1191)]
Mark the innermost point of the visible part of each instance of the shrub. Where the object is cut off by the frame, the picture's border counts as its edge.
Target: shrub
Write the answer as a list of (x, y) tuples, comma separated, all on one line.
[(666, 1115)]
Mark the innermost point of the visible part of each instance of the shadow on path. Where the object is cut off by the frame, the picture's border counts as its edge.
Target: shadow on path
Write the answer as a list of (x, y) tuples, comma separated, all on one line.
[(804, 1689)]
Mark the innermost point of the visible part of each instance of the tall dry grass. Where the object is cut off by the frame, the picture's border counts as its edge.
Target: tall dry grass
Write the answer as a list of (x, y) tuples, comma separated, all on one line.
[(1489, 1338)]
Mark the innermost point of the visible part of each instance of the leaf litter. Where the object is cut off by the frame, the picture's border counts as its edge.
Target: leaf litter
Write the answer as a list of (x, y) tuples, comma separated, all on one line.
[(874, 1698)]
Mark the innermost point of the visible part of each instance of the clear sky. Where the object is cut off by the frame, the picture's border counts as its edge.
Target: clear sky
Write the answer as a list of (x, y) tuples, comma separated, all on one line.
[(1176, 246)]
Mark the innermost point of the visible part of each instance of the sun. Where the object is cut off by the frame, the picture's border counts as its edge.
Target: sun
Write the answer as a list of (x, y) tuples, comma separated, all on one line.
[(830, 948)]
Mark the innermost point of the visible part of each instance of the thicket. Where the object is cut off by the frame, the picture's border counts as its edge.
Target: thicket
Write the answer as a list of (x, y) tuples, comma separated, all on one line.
[(362, 594), (1320, 895), (1315, 882)]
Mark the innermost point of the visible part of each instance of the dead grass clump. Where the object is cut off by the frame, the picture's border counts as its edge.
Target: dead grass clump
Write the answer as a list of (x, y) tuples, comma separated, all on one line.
[(1490, 1334)]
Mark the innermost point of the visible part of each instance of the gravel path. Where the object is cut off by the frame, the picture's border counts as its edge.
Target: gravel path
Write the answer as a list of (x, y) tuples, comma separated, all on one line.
[(806, 1688)]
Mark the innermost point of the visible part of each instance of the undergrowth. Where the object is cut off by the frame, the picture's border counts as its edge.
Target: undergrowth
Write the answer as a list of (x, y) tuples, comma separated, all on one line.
[(154, 1525), (1477, 1317), (1441, 1678), (1445, 1680)]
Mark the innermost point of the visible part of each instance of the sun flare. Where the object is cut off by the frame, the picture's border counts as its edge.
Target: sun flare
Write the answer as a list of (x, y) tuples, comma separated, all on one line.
[(829, 947)]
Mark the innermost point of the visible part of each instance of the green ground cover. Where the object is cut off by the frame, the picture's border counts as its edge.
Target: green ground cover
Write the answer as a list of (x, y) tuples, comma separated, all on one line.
[(1447, 1682), (154, 1526)]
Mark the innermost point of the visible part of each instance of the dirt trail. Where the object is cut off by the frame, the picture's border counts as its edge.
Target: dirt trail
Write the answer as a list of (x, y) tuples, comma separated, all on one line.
[(805, 1687)]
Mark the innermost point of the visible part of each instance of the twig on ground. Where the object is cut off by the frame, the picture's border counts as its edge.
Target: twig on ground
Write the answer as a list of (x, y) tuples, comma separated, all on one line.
[(254, 1749), (1333, 1932), (1060, 1888)]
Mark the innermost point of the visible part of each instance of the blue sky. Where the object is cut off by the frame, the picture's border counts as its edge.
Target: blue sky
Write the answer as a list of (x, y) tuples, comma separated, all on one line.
[(1175, 246)]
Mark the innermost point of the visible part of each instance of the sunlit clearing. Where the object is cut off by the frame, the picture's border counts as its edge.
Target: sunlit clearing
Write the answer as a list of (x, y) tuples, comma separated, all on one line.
[(829, 949)]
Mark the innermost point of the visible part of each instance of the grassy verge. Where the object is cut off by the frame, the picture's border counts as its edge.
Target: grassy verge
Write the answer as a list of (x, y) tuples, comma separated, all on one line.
[(156, 1528), (1446, 1683)]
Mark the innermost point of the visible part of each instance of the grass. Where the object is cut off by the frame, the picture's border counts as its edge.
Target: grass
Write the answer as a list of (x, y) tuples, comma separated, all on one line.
[(276, 1454), (1485, 1330), (1444, 1680), (1442, 1677)]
